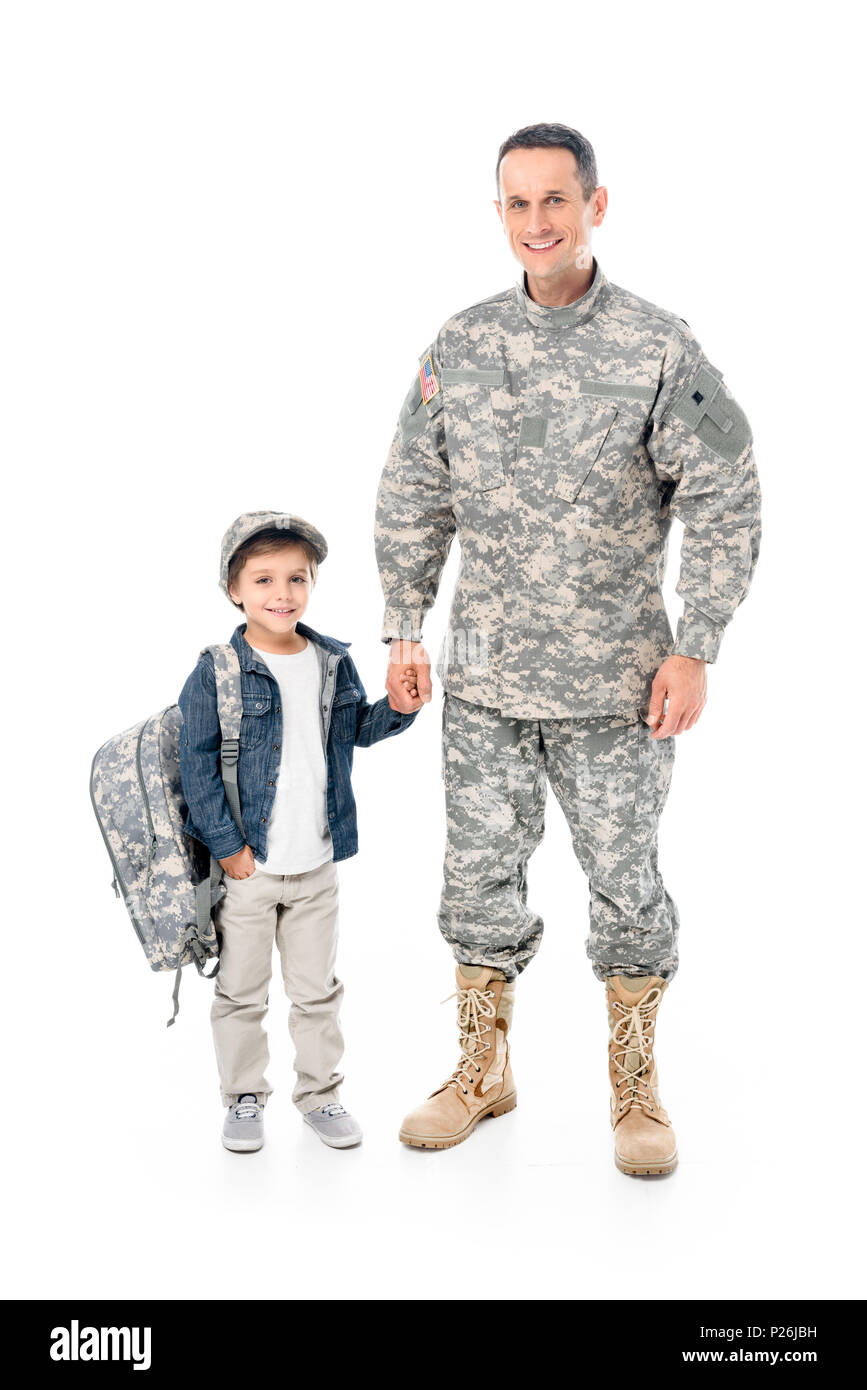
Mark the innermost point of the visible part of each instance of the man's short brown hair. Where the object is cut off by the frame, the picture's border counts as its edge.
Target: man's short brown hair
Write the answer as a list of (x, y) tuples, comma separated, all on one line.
[(266, 542), (548, 137)]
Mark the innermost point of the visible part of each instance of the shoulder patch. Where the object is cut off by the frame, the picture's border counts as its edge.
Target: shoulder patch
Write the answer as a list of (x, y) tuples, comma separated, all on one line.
[(713, 415), (427, 378)]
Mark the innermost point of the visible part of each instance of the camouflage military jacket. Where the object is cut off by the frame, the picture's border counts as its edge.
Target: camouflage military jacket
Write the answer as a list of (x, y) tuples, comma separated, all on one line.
[(557, 444)]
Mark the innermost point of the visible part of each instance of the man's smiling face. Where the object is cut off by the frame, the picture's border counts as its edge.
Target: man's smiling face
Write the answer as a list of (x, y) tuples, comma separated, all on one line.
[(544, 215)]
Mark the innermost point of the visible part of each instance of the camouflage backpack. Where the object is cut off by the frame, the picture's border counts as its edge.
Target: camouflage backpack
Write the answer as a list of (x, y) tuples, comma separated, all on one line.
[(169, 882)]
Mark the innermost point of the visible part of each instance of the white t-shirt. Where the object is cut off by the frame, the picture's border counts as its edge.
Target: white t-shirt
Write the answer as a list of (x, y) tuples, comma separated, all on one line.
[(298, 834)]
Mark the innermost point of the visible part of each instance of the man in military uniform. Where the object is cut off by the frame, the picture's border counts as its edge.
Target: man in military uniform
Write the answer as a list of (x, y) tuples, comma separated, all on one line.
[(556, 428)]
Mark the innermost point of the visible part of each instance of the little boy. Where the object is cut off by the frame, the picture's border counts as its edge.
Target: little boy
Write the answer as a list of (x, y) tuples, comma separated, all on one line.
[(304, 710)]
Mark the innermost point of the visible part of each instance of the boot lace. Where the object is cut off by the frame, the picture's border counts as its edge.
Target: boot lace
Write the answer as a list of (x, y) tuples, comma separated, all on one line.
[(474, 1006), (632, 1054)]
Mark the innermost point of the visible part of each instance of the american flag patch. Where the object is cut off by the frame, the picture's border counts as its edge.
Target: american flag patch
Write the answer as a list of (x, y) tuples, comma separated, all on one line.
[(429, 383)]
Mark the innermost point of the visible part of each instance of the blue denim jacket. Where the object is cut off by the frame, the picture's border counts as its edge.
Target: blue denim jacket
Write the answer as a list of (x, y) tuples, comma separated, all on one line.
[(346, 719)]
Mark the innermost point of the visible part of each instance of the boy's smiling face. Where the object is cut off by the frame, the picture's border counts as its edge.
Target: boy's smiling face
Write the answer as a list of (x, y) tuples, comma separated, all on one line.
[(274, 589)]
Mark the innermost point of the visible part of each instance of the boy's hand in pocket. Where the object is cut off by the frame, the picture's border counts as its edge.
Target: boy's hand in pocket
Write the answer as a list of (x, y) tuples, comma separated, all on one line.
[(240, 865)]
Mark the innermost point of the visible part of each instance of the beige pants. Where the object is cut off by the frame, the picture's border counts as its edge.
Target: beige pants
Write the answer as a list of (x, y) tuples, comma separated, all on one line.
[(300, 912)]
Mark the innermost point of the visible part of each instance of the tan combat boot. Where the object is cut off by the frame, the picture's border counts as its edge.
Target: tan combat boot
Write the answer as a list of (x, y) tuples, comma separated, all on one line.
[(483, 1083), (644, 1140)]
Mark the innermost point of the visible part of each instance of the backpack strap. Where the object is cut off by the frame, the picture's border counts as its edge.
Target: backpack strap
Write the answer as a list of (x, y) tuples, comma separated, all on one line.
[(192, 935), (199, 958), (230, 707)]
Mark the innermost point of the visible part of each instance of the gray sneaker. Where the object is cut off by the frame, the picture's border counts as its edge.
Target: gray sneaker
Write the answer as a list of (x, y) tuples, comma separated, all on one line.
[(244, 1125), (334, 1125)]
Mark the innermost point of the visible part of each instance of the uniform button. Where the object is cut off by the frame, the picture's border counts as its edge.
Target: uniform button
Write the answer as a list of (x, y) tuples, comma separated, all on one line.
[(276, 748), (278, 709), (271, 783), (331, 815), (258, 704), (264, 820)]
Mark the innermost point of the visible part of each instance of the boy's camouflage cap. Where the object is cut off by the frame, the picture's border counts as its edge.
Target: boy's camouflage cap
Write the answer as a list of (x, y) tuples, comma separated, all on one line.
[(246, 525)]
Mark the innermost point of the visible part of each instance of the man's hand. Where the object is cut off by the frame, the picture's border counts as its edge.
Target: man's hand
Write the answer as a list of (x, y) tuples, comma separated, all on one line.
[(407, 680), (684, 680), (240, 865)]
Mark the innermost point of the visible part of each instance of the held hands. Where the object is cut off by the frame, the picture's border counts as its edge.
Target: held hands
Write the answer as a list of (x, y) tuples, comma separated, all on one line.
[(684, 680), (407, 680), (240, 865)]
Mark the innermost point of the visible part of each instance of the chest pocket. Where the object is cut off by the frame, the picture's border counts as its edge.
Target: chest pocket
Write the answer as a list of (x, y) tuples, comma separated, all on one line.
[(594, 419), (475, 458), (344, 712), (595, 444), (257, 708)]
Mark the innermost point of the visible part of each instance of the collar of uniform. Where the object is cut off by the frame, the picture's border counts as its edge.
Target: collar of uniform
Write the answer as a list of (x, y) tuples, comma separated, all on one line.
[(249, 660), (564, 315)]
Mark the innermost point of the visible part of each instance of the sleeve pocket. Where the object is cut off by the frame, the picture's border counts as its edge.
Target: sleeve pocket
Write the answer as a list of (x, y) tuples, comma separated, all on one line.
[(412, 418), (712, 414)]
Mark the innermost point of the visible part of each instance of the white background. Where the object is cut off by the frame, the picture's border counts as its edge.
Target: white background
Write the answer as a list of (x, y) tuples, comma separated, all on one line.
[(229, 231)]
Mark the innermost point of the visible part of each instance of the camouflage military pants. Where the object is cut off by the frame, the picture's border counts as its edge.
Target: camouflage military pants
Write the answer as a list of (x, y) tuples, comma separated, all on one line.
[(611, 780)]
